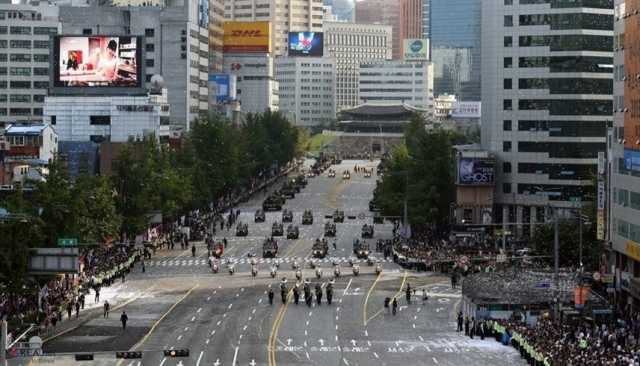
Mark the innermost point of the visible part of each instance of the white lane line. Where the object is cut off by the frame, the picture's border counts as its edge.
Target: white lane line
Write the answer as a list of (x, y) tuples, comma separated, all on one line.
[(163, 361), (415, 317), (307, 324), (235, 357), (186, 329), (199, 358), (193, 319), (208, 340), (311, 312), (366, 334), (219, 321), (336, 338), (245, 327), (224, 315), (260, 301), (336, 326), (253, 311), (213, 332), (307, 354), (305, 332), (421, 339), (369, 343), (376, 355), (230, 306), (131, 363), (208, 298), (414, 326), (239, 338), (345, 361), (180, 337), (199, 310), (435, 360), (347, 288)]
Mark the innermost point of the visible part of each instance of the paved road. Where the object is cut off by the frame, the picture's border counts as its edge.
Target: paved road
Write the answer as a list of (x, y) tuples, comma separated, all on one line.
[(226, 320)]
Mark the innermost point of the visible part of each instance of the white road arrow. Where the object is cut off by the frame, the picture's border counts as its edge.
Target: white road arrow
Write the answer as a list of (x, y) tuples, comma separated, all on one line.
[(353, 342), (253, 363), (321, 342), (180, 364), (289, 341)]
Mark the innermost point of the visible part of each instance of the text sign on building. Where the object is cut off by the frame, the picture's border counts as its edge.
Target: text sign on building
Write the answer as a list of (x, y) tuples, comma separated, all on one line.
[(247, 37), (416, 49), (473, 171), (466, 110), (600, 230), (134, 108), (222, 87)]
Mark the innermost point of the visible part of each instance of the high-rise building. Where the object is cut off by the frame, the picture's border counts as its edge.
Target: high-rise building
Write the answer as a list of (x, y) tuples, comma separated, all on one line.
[(216, 20), (623, 170), (257, 87), (176, 46), (307, 87), (392, 82), (410, 20), (342, 9), (285, 16), (25, 32), (453, 27), (546, 103), (386, 12), (351, 44)]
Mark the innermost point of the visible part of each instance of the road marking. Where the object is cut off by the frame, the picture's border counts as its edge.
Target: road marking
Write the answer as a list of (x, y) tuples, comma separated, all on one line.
[(246, 326), (421, 339), (260, 301), (307, 324), (199, 358), (414, 326), (217, 363), (199, 310), (345, 361), (208, 298), (224, 315), (336, 338), (336, 326), (230, 306), (180, 337), (208, 340), (306, 333), (366, 300), (186, 329), (376, 355), (435, 360), (235, 357), (369, 343), (366, 334), (213, 332), (141, 342), (347, 288), (219, 322), (307, 354), (163, 361), (253, 311), (404, 280), (249, 319)]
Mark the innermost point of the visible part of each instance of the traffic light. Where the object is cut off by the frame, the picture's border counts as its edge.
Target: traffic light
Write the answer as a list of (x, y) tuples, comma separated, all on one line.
[(84, 357), (128, 354), (176, 353)]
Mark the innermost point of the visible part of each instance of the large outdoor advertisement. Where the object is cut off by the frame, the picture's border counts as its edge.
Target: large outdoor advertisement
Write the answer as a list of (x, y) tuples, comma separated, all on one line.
[(416, 49), (306, 44), (97, 61), (247, 37), (473, 171)]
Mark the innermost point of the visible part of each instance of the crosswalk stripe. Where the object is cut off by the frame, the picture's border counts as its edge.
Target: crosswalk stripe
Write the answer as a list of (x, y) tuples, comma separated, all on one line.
[(204, 262)]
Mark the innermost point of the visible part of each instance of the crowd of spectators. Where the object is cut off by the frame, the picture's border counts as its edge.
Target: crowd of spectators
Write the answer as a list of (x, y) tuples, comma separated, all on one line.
[(581, 343)]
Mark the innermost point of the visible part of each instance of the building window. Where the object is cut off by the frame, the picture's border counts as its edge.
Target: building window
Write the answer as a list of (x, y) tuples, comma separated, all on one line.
[(506, 146), (508, 2), (20, 71), (506, 167), (20, 44), (507, 83), (100, 120), (506, 125), (149, 32), (508, 21), (508, 62), (53, 120), (148, 78), (87, 31), (506, 188), (507, 104), (149, 62), (149, 47), (41, 58), (508, 41), (20, 30), (40, 71)]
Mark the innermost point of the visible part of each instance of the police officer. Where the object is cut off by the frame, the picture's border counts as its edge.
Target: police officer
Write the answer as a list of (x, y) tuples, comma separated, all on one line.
[(329, 292), (193, 250), (394, 304), (318, 293), (408, 293), (296, 295), (271, 296)]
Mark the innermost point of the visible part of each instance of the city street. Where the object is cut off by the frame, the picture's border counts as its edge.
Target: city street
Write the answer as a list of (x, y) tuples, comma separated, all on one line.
[(223, 319)]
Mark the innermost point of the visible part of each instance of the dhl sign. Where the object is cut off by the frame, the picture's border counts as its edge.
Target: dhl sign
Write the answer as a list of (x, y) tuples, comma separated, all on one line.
[(247, 37)]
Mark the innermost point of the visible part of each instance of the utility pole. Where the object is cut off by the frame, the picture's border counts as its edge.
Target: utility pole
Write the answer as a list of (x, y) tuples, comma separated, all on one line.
[(556, 263), (3, 342)]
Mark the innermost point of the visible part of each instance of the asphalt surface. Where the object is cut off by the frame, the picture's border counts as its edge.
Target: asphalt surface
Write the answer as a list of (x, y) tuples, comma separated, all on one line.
[(225, 319)]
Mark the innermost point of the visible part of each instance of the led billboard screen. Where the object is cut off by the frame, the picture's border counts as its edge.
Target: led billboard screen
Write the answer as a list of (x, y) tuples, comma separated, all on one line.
[(306, 44), (472, 171), (97, 61)]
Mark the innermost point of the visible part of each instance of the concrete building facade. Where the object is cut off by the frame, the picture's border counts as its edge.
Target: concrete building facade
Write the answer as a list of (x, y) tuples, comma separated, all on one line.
[(547, 90), (256, 85), (384, 12), (25, 32), (411, 19), (397, 82), (285, 16), (351, 44), (176, 46), (307, 88)]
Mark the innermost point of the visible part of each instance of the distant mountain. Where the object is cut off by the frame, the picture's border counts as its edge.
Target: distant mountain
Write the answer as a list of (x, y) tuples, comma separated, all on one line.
[(343, 9)]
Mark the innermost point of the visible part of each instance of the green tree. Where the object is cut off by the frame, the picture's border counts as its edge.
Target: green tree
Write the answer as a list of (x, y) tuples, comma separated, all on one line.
[(17, 236), (95, 205), (568, 230)]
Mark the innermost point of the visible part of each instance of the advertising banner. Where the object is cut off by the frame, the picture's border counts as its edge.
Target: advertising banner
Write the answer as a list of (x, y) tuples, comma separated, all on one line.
[(222, 87), (97, 61), (247, 37), (466, 110), (601, 206), (306, 44), (473, 171), (632, 160), (416, 49)]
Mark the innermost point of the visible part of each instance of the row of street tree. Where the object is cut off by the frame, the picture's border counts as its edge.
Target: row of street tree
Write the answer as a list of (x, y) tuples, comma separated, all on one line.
[(215, 159)]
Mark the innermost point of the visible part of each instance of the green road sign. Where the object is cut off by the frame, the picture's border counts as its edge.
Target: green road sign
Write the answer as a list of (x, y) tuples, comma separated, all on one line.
[(67, 242)]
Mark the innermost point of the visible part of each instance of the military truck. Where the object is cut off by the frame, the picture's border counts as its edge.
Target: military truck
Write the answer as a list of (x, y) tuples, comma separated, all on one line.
[(259, 217), (361, 249), (293, 232), (270, 248), (300, 181), (288, 190), (320, 248), (307, 217), (276, 229), (287, 215), (330, 229), (242, 229), (273, 203), (367, 231), (338, 216)]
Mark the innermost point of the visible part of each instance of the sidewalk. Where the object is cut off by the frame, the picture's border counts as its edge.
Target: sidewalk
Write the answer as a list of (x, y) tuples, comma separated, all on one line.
[(118, 295)]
